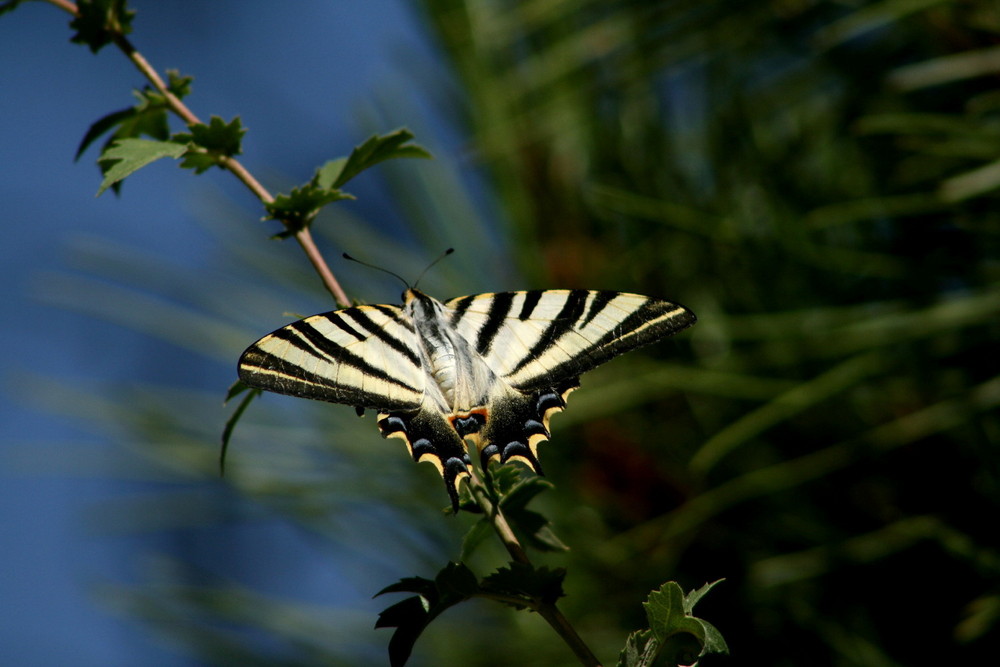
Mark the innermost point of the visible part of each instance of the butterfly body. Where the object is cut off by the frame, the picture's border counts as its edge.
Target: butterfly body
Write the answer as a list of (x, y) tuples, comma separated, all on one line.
[(491, 368)]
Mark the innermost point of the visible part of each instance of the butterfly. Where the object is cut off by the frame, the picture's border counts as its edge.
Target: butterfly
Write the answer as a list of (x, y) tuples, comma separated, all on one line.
[(491, 368)]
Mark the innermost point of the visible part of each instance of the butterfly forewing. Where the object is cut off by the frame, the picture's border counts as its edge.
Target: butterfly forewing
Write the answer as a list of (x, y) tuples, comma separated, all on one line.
[(540, 338), (363, 356)]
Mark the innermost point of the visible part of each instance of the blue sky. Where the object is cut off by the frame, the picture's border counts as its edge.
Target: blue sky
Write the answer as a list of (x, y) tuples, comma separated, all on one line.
[(298, 80)]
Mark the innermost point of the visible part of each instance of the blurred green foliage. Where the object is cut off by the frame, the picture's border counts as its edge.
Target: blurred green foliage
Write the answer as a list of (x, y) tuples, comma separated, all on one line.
[(818, 180)]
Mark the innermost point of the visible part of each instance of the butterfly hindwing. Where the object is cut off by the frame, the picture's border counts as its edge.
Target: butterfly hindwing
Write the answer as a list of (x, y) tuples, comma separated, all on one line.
[(519, 422), (430, 437)]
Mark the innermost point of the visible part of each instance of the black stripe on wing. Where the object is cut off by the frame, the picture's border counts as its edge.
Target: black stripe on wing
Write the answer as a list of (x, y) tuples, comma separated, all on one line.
[(362, 319), (567, 318), (597, 306), (531, 300), (264, 370), (460, 305), (653, 320), (339, 322), (499, 309), (344, 356), (332, 351), (393, 313)]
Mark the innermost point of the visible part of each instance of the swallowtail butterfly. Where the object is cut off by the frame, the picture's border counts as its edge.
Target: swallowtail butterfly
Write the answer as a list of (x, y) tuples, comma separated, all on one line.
[(491, 368)]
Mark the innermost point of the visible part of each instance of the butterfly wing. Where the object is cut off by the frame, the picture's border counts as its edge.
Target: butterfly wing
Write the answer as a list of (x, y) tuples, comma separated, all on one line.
[(537, 338), (364, 356), (368, 357), (539, 343)]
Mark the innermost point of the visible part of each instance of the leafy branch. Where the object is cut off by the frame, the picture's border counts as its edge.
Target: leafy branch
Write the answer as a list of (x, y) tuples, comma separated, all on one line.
[(99, 23)]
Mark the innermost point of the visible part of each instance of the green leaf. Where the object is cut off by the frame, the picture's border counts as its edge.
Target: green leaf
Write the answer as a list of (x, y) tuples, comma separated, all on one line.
[(640, 650), (667, 613), (523, 491), (178, 84), (452, 585), (300, 207), (534, 528), (327, 175), (210, 143), (236, 389), (374, 150), (477, 534), (99, 22), (501, 479), (693, 597), (126, 156), (675, 636), (523, 586), (103, 125), (148, 117), (218, 137)]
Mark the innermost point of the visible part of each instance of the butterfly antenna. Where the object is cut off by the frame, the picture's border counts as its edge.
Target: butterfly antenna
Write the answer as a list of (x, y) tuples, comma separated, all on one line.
[(429, 266), (378, 268)]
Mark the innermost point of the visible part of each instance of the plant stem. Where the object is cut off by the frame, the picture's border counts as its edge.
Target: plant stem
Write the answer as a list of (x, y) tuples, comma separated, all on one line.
[(547, 610), (232, 165)]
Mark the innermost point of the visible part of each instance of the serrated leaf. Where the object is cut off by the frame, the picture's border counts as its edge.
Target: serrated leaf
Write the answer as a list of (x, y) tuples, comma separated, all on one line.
[(236, 389), (692, 598), (665, 611), (198, 161), (452, 585), (179, 84), (456, 580), (523, 491), (419, 585), (299, 207), (219, 136), (534, 528), (210, 143), (679, 637), (126, 156), (501, 479), (524, 586), (99, 22), (378, 149), (640, 650), (148, 117)]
